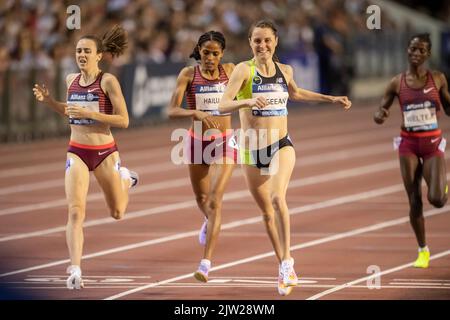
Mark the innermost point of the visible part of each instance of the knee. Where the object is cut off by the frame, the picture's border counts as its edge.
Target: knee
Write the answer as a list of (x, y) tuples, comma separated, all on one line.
[(268, 217), (213, 203), (117, 213), (437, 201), (416, 206), (416, 201), (76, 214), (278, 202), (201, 199)]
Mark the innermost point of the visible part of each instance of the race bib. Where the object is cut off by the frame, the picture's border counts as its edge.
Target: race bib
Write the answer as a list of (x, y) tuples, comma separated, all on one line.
[(207, 97), (276, 95), (85, 100), (420, 117)]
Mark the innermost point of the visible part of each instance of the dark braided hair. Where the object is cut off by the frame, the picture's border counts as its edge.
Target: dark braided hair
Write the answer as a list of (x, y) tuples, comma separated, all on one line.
[(114, 41), (265, 23), (207, 36), (425, 37)]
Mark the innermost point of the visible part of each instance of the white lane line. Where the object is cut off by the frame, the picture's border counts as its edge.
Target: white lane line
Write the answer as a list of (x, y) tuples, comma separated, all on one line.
[(54, 183), (303, 285), (312, 243), (340, 155), (166, 166), (265, 277), (420, 283), (375, 275), (85, 287), (59, 165), (235, 224), (96, 283), (203, 286), (426, 280), (327, 177), (331, 140), (64, 276), (95, 196)]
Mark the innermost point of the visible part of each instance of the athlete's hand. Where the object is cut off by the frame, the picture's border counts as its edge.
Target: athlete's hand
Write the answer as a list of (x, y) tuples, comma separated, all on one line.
[(207, 120), (41, 93), (346, 103), (210, 123), (78, 112), (380, 115), (258, 102)]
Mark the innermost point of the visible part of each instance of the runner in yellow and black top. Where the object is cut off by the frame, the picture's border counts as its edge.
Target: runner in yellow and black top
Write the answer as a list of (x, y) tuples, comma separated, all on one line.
[(263, 86)]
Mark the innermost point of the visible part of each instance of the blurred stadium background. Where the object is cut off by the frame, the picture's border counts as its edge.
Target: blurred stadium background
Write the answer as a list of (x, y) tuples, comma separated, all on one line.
[(327, 42)]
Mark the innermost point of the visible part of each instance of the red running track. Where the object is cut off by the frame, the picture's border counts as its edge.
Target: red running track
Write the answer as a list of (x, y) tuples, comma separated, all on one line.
[(349, 219)]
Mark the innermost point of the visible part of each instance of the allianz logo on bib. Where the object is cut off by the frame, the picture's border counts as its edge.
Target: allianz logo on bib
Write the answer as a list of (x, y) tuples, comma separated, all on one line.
[(77, 97), (426, 104), (220, 87), (83, 97)]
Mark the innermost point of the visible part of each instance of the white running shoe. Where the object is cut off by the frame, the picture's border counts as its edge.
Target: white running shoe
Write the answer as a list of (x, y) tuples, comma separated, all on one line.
[(282, 288), (202, 233), (290, 278), (203, 269), (74, 281), (126, 173)]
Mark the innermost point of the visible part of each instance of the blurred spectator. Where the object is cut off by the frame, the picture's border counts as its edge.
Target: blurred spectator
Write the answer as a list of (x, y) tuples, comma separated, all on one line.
[(30, 27), (34, 33), (333, 49)]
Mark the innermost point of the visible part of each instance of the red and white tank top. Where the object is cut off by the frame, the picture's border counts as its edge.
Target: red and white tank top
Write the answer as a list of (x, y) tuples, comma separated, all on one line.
[(420, 108), (91, 96), (204, 94)]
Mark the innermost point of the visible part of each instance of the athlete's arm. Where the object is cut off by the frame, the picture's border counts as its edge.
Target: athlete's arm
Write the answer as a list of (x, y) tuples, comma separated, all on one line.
[(444, 94), (300, 94), (176, 111), (238, 77), (110, 85), (42, 94), (389, 95)]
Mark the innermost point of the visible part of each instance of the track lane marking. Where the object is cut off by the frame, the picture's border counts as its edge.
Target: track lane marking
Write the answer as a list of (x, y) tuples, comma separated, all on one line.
[(375, 275), (307, 181), (312, 243)]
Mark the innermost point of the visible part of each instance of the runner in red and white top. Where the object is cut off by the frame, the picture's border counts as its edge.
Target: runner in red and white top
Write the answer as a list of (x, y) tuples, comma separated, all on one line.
[(210, 155), (95, 103), (422, 94)]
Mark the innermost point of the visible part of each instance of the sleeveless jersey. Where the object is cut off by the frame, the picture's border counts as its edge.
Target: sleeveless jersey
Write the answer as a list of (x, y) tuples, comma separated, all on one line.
[(274, 89), (420, 107), (204, 94), (91, 97)]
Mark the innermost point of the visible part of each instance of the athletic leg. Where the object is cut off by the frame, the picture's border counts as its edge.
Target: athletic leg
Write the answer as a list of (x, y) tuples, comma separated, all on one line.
[(114, 186), (220, 174), (200, 180), (76, 187), (259, 186), (411, 170), (284, 160), (435, 176)]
